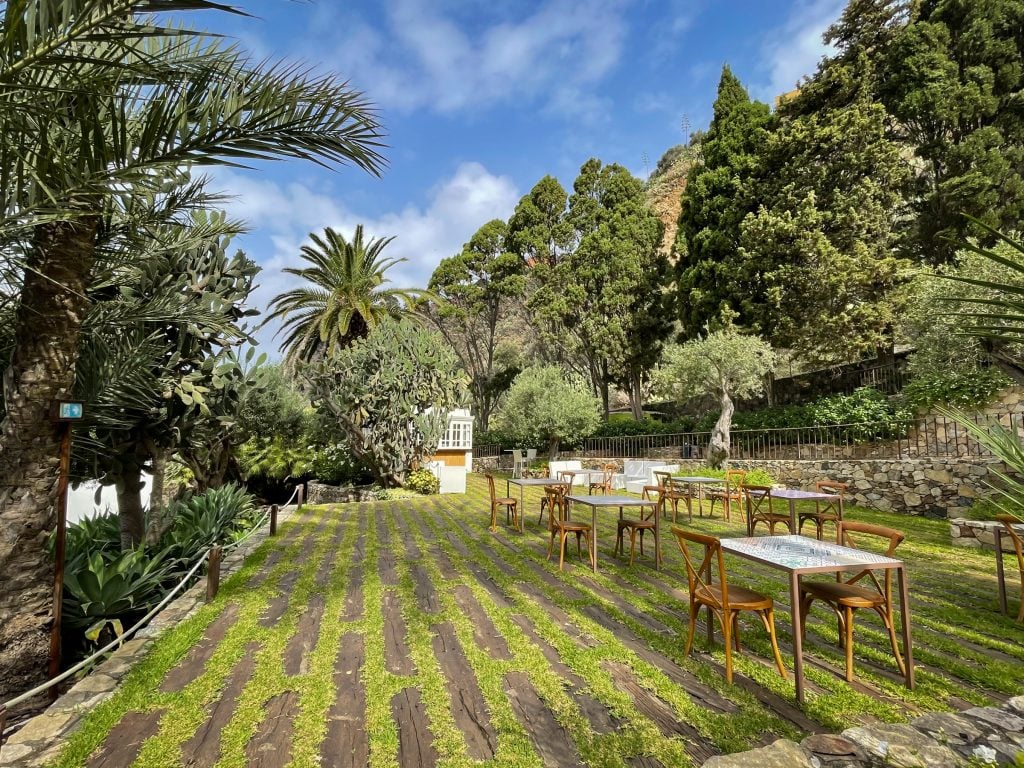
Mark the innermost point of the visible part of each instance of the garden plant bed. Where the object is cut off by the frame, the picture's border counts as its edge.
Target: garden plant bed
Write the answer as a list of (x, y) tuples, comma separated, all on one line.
[(405, 633)]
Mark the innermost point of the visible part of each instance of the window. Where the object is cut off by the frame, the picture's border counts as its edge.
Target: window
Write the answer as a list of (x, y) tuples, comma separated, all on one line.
[(458, 436)]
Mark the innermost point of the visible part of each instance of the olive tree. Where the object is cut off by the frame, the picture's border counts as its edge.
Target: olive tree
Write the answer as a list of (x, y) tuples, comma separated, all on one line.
[(390, 393), (546, 406), (723, 364)]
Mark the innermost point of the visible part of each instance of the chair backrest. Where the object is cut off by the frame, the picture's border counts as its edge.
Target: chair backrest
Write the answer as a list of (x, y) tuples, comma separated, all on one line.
[(836, 505), (734, 478), (490, 486), (567, 476), (556, 503), (758, 499), (664, 479), (849, 527), (609, 473), (699, 565), (517, 455), (1008, 522), (531, 454), (831, 486)]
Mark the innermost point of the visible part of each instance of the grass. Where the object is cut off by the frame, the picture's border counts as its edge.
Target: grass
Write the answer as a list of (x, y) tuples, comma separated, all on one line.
[(594, 624)]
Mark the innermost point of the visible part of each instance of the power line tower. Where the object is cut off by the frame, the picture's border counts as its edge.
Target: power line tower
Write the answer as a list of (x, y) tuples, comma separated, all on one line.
[(685, 125), (646, 159)]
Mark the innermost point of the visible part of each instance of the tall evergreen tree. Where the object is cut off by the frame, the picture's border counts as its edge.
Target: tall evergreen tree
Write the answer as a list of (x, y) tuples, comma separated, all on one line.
[(716, 199)]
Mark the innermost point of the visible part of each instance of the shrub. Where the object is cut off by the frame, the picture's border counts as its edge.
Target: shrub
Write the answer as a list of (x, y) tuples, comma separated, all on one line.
[(334, 464), (423, 482), (753, 476), (961, 388), (395, 494)]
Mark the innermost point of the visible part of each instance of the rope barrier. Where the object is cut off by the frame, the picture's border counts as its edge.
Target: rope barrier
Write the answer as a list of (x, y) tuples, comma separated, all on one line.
[(126, 635)]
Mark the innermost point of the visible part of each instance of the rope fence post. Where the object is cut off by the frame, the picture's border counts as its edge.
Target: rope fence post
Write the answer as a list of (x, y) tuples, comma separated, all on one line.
[(213, 573), (302, 493), (273, 519)]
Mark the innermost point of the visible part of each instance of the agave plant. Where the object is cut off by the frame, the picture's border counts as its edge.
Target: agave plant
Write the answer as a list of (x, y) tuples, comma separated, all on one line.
[(216, 517), (102, 589)]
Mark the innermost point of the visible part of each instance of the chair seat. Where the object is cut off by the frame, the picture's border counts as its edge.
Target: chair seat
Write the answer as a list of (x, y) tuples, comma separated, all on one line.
[(740, 598), (572, 526), (772, 516), (830, 516), (507, 500), (845, 595), (719, 493), (631, 523)]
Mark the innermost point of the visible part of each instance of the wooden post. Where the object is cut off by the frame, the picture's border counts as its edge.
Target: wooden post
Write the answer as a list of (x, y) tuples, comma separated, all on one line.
[(273, 519), (59, 550), (302, 494), (213, 573)]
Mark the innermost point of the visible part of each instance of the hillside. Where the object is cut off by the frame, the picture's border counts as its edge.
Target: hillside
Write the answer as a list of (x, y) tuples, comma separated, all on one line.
[(665, 187)]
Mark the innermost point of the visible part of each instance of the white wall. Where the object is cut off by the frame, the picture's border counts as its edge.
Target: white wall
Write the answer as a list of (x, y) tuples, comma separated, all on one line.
[(82, 499)]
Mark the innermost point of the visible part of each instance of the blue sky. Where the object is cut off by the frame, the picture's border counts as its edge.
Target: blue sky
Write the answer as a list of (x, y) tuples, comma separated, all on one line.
[(481, 99)]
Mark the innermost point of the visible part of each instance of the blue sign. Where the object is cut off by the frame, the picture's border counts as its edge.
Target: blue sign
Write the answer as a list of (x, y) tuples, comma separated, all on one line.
[(69, 411)]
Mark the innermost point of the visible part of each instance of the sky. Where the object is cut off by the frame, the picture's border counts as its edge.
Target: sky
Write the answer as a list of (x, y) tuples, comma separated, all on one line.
[(481, 99)]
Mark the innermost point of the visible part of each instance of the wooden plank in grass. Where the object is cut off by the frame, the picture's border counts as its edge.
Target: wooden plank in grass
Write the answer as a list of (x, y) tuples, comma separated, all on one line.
[(550, 739), (415, 742), (396, 650), (271, 745), (469, 709), (345, 745), (192, 666), (485, 633), (125, 739), (307, 631)]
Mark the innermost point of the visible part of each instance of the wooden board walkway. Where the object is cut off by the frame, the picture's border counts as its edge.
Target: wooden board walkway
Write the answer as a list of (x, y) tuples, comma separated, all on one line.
[(409, 635)]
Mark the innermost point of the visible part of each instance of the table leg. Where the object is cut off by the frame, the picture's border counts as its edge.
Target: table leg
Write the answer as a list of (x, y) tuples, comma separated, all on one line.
[(593, 534), (657, 541), (798, 640), (522, 511), (792, 516), (908, 651), (1000, 573)]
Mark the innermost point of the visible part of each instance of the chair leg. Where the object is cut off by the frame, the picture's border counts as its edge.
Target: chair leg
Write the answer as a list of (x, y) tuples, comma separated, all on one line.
[(561, 550), (494, 516), (887, 619), (805, 608), (543, 504), (1020, 614), (590, 558), (848, 620), (694, 610), (618, 542), (632, 544), (768, 617), (726, 623), (736, 631), (551, 544)]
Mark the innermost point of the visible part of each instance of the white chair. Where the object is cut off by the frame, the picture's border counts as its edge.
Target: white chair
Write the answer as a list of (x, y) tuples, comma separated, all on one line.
[(517, 463), (531, 455)]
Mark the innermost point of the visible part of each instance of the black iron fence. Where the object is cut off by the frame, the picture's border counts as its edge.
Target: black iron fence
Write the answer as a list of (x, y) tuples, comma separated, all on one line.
[(489, 451), (931, 436)]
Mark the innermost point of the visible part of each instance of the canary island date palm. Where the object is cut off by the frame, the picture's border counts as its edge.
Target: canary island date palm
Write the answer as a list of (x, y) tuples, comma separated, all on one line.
[(102, 99), (346, 294)]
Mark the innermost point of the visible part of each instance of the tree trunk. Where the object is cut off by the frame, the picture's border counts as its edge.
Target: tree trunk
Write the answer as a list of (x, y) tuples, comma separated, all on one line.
[(718, 448), (158, 522), (47, 326), (553, 449), (636, 397), (129, 508)]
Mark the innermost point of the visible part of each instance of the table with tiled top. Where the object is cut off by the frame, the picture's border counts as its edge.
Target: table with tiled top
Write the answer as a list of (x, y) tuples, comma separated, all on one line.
[(800, 555)]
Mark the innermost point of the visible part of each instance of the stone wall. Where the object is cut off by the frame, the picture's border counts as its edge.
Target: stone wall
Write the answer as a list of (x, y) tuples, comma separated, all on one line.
[(978, 533), (320, 493)]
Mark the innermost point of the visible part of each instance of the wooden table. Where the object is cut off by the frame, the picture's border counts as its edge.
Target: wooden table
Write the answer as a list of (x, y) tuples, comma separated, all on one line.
[(800, 555), (617, 501), (793, 495), (699, 482), (522, 482)]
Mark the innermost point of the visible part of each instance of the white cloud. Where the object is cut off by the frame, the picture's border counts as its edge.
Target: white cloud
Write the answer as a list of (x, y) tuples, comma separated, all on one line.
[(427, 59), (282, 215), (794, 50)]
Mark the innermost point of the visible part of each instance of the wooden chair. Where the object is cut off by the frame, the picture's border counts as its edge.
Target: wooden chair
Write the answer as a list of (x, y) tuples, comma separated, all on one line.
[(561, 526), (510, 505), (731, 492), (824, 511), (759, 509), (605, 483), (645, 523), (544, 501), (669, 492), (724, 602), (845, 597), (1008, 522)]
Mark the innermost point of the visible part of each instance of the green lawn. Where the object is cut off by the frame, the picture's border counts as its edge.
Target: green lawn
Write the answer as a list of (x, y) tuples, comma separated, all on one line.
[(489, 626)]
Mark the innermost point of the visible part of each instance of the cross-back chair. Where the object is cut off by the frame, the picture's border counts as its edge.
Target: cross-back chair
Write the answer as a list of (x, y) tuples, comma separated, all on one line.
[(670, 493), (1008, 522), (646, 522), (862, 590), (560, 525), (725, 602), (511, 505), (731, 492), (758, 501), (825, 511), (544, 502), (605, 483)]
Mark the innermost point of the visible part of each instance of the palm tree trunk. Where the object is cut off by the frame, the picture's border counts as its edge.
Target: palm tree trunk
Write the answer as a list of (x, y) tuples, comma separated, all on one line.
[(158, 522), (46, 339), (129, 507)]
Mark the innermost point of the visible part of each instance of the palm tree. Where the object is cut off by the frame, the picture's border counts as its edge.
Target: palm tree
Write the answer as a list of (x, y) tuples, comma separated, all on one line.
[(103, 100), (345, 296)]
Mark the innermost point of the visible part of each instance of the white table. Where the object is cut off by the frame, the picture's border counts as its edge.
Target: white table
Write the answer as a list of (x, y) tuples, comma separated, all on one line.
[(522, 482), (799, 555), (616, 501)]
